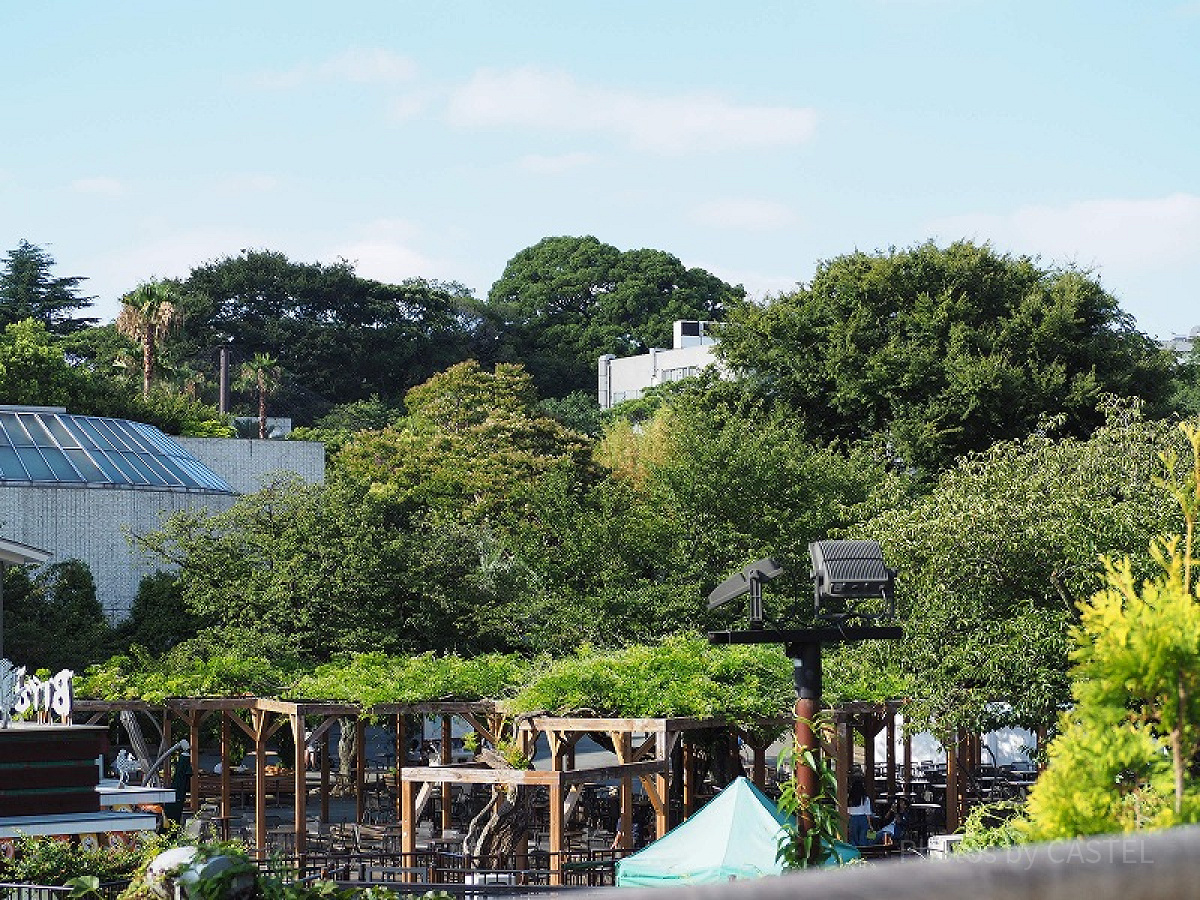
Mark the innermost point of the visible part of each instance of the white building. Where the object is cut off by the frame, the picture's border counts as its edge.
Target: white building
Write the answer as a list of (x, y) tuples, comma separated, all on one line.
[(628, 377), (1181, 344), (81, 486)]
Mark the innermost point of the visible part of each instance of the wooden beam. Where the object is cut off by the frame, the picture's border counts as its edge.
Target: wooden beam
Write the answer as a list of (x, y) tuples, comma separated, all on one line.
[(485, 731)]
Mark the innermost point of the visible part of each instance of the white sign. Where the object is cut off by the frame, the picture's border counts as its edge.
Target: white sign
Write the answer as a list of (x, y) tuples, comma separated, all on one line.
[(21, 693)]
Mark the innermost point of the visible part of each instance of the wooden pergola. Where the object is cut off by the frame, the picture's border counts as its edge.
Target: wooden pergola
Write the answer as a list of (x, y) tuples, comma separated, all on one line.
[(647, 749)]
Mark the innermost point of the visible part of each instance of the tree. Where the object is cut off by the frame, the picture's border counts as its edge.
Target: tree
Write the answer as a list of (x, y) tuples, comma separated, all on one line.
[(53, 620), (29, 291), (147, 314), (1126, 756), (994, 559), (341, 338), (689, 497), (310, 569), (36, 371), (473, 437), (938, 352), (263, 375), (159, 619), (565, 301)]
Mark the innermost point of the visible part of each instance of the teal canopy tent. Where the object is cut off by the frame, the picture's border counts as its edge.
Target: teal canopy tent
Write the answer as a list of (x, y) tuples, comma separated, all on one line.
[(735, 836)]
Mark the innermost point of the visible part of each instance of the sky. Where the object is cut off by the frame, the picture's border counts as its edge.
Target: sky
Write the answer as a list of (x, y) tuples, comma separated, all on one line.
[(752, 139)]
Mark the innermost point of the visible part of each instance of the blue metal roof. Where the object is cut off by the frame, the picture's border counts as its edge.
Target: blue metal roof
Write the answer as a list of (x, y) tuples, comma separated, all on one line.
[(50, 446)]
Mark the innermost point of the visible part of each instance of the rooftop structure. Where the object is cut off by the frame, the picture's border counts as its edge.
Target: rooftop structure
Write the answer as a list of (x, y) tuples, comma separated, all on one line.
[(627, 378), (82, 486), (45, 445)]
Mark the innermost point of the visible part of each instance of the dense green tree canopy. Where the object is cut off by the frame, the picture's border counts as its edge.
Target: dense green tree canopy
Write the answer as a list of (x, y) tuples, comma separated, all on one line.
[(993, 562), (36, 370), (942, 351), (53, 620), (339, 335), (28, 290), (565, 301)]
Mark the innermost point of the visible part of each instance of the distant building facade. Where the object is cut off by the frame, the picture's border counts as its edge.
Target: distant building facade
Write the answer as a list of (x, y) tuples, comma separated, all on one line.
[(80, 486), (1181, 344), (626, 378)]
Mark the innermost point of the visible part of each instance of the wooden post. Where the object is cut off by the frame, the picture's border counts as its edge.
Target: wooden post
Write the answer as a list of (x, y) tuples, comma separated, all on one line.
[(360, 767), (556, 831), (300, 770), (662, 812), (622, 743), (325, 779), (447, 797), (952, 784), (225, 805), (401, 756), (408, 822), (869, 730), (260, 781), (194, 740), (908, 762), (843, 764), (891, 751), (689, 780)]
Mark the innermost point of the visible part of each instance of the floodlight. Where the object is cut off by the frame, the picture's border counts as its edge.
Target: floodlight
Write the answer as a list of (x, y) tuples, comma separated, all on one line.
[(847, 576), (748, 581)]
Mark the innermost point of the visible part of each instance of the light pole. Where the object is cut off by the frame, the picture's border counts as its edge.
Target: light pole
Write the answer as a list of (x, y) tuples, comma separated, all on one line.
[(853, 593)]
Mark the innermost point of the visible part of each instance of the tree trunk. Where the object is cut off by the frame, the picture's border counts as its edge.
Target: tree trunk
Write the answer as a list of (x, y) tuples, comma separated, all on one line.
[(147, 363), (505, 821), (347, 751), (262, 406)]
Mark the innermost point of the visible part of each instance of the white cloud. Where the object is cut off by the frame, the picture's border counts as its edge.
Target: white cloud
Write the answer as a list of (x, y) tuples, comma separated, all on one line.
[(744, 214), (1131, 235), (106, 186), (356, 66), (556, 165), (554, 101), (384, 252)]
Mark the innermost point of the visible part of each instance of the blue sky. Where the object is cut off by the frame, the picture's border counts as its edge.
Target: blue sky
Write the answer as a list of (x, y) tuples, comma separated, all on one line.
[(437, 139)]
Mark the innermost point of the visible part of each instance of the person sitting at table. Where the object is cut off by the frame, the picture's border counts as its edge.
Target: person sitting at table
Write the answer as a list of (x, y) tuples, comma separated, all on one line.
[(894, 824), (858, 808)]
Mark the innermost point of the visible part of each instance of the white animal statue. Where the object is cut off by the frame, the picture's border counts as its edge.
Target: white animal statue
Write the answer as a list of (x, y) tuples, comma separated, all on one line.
[(11, 680), (125, 764)]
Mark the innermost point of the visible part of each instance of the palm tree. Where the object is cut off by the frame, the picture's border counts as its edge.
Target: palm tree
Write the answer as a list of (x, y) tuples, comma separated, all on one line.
[(264, 374), (147, 314)]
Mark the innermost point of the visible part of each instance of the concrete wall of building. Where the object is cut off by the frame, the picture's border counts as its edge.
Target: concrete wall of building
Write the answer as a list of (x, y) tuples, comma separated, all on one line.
[(626, 378), (94, 523), (246, 465)]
